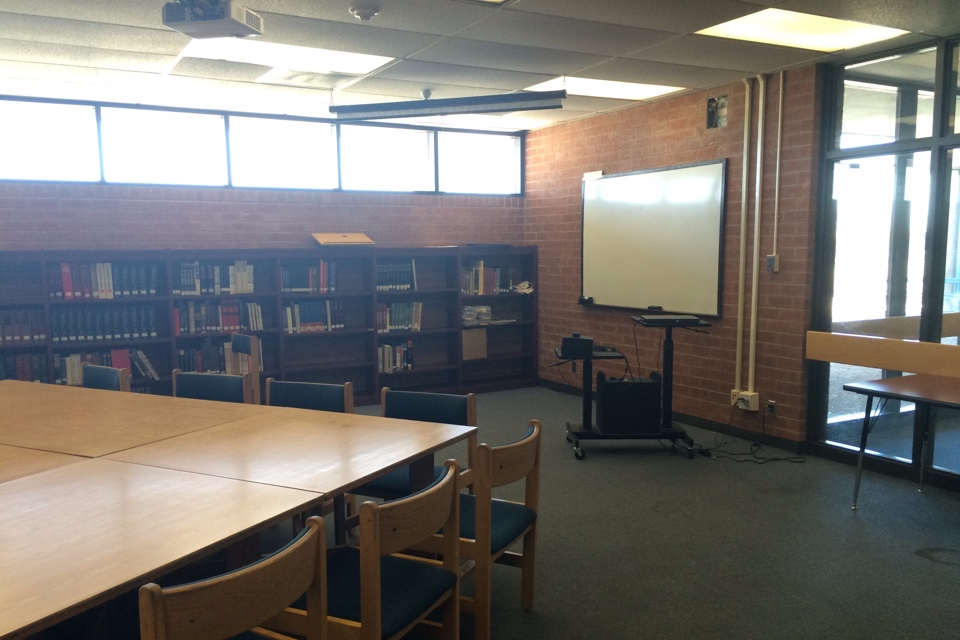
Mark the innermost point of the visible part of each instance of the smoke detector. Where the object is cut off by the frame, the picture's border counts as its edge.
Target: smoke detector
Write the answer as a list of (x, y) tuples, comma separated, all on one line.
[(365, 9)]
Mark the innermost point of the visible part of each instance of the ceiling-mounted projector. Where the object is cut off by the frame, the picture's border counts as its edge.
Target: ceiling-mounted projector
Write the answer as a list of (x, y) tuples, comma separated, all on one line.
[(216, 19)]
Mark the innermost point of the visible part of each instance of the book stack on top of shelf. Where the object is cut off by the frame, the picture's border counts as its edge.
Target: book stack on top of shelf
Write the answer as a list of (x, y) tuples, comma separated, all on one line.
[(476, 315)]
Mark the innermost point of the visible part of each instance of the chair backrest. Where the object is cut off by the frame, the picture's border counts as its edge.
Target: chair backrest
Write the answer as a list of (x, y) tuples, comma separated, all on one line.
[(244, 599), (98, 377), (443, 408), (212, 386), (310, 395), (246, 357), (394, 526), (509, 463)]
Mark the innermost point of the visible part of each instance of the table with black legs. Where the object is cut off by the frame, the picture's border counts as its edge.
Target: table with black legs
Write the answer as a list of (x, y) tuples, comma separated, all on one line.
[(924, 390)]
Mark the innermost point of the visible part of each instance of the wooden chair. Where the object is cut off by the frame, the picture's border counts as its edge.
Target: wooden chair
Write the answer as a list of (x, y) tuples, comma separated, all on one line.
[(310, 395), (212, 386), (97, 377), (317, 397), (375, 593), (246, 357), (423, 406), (490, 526), (244, 599)]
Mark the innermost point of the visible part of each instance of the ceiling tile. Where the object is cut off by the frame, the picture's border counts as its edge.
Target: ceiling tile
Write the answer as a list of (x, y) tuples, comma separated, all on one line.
[(671, 75), (429, 72), (735, 55), (473, 53), (657, 15), (567, 34)]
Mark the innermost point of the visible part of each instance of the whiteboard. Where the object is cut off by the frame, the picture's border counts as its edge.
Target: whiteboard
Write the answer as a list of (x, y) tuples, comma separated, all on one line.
[(655, 238)]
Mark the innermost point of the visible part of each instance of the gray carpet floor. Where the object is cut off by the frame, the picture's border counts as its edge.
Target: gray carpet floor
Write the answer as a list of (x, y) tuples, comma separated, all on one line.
[(637, 542)]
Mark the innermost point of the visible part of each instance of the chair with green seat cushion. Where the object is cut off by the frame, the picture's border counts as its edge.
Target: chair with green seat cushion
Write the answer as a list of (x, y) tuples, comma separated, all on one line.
[(109, 378), (250, 598), (212, 386), (376, 595), (310, 395), (490, 526), (422, 406), (316, 397)]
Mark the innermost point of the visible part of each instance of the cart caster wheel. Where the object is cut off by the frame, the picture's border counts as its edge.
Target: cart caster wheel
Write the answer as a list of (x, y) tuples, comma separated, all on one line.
[(690, 453), (578, 453)]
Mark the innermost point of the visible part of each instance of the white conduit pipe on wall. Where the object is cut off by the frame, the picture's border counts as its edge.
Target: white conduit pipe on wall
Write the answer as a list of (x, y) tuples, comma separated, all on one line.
[(744, 190), (752, 363)]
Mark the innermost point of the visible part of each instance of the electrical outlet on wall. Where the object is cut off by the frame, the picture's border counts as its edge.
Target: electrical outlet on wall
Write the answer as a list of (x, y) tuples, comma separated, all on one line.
[(748, 401)]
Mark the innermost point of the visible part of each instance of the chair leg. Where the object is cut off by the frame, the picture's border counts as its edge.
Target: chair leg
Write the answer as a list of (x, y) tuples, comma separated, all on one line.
[(482, 581), (527, 569)]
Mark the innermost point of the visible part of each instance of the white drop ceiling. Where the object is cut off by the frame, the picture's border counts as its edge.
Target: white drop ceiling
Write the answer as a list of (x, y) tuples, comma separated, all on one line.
[(110, 51)]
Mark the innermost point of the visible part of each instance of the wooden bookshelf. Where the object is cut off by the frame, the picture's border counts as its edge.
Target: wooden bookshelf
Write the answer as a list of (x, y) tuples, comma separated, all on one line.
[(320, 314)]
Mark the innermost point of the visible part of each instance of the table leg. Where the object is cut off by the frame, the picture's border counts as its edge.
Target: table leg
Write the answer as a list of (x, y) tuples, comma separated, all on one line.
[(924, 440), (339, 520), (864, 432)]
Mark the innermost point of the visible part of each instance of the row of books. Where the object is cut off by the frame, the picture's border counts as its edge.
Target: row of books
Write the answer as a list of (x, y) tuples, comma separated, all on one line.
[(399, 316), (308, 278), (477, 280), (104, 280), (397, 276), (30, 367), (200, 278), (96, 324), (190, 317), (19, 327), (312, 316), (207, 358), (68, 368), (395, 357)]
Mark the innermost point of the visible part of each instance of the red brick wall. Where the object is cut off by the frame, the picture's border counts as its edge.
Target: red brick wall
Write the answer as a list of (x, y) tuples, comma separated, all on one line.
[(55, 216), (82, 216), (674, 132)]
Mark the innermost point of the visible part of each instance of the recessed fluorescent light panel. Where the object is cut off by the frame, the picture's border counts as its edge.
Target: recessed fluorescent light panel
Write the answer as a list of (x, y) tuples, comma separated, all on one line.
[(604, 88), (282, 56), (801, 30)]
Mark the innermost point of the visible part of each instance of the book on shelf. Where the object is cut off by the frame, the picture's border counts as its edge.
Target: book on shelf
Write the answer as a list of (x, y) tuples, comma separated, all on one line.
[(396, 275), (395, 357), (29, 367)]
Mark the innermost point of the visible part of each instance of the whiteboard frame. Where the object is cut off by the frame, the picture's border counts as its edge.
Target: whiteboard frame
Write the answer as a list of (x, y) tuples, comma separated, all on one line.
[(633, 253)]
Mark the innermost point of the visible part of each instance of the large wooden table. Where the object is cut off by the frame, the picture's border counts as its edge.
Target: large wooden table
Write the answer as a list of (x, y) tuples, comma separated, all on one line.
[(16, 462), (923, 389), (182, 479), (93, 422)]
